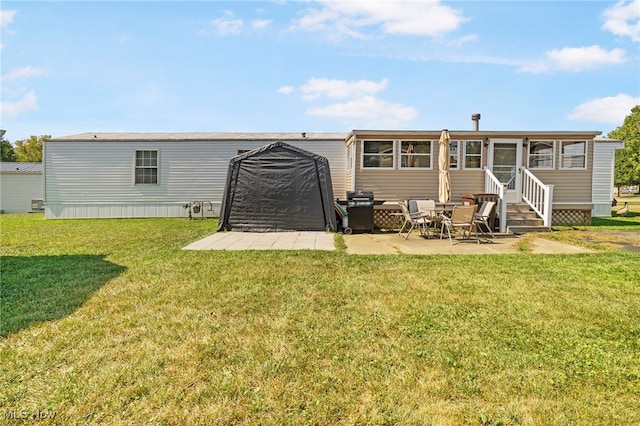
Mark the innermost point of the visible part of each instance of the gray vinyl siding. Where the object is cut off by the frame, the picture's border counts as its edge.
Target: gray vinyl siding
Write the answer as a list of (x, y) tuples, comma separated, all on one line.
[(86, 179)]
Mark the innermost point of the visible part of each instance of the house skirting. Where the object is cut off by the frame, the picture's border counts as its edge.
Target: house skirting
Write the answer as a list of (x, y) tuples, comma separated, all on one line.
[(571, 217)]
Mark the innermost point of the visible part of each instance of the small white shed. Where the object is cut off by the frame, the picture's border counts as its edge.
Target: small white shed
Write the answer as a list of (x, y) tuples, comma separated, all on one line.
[(604, 154), (21, 187)]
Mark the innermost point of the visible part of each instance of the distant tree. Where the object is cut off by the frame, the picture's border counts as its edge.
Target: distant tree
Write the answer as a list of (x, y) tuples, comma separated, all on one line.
[(7, 153), (627, 161), (30, 150)]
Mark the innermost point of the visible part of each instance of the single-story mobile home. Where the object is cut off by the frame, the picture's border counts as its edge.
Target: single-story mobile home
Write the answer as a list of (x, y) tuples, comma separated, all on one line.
[(564, 176), (20, 187), (114, 175)]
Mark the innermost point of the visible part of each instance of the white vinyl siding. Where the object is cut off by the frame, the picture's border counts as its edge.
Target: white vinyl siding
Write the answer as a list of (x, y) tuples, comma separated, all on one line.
[(602, 187), (96, 179), (18, 189)]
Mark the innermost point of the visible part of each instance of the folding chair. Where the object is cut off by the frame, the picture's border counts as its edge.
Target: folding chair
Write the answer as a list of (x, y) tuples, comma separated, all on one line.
[(415, 220), (427, 210), (481, 219), (462, 218)]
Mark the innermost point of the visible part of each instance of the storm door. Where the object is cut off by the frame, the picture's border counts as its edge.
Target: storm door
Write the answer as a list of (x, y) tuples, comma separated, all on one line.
[(504, 161)]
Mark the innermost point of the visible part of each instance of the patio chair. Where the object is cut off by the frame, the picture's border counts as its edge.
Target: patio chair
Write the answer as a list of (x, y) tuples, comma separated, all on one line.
[(461, 218), (482, 218), (415, 220), (427, 209)]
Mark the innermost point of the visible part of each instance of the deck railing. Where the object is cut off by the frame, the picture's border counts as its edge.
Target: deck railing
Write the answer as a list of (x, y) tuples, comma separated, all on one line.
[(492, 185), (538, 195)]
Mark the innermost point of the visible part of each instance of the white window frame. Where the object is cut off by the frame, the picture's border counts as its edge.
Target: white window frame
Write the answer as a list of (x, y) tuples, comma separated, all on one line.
[(402, 154), (136, 167), (530, 156), (464, 154), (455, 155), (563, 156), (363, 154)]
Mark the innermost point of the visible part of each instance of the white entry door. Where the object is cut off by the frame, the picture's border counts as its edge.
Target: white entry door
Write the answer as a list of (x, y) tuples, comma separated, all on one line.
[(505, 157)]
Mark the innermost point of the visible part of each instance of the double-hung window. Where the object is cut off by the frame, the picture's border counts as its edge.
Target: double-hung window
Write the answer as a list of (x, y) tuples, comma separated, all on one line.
[(415, 154), (377, 154), (573, 155), (472, 154), (146, 171), (541, 155), (454, 155)]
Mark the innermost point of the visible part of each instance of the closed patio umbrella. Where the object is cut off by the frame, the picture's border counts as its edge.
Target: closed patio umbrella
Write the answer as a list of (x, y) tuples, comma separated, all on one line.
[(444, 185)]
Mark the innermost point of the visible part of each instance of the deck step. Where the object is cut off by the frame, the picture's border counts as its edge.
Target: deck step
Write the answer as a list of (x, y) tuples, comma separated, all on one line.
[(519, 208), (521, 220)]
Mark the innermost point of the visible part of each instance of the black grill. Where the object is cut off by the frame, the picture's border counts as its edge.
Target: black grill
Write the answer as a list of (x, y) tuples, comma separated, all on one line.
[(360, 211)]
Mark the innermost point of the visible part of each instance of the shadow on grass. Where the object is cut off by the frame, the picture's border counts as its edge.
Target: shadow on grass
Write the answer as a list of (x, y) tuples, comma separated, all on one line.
[(44, 288)]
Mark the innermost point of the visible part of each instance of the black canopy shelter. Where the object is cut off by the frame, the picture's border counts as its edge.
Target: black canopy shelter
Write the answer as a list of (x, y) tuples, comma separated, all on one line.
[(278, 187)]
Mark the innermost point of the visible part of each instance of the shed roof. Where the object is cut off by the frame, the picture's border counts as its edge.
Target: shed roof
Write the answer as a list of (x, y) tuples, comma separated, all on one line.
[(11, 167)]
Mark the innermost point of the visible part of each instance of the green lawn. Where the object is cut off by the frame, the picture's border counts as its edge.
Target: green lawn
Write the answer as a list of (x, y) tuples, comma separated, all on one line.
[(109, 322)]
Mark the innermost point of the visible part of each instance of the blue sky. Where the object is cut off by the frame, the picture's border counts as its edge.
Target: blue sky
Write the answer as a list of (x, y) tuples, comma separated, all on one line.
[(316, 66)]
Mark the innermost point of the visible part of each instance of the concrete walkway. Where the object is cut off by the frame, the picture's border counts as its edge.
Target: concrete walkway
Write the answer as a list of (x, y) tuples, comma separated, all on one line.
[(387, 243)]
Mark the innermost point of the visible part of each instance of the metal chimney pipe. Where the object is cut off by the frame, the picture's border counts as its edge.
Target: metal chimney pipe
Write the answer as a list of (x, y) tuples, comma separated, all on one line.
[(476, 122)]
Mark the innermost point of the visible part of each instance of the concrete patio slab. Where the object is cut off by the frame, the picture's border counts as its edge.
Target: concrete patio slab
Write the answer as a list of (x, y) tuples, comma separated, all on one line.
[(265, 241), (392, 243), (377, 243)]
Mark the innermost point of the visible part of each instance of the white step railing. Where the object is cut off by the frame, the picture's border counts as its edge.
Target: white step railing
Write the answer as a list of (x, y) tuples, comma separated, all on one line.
[(538, 195), (493, 186)]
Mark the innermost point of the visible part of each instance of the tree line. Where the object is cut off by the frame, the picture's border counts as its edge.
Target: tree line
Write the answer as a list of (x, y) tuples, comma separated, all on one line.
[(627, 163), (23, 151)]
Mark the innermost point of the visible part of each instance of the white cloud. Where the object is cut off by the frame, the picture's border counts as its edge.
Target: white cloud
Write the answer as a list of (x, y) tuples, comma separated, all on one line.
[(23, 72), (371, 110), (460, 41), (575, 59), (610, 110), (14, 108), (260, 23), (623, 19), (6, 17), (400, 17), (227, 26), (341, 89), (285, 90), (359, 102)]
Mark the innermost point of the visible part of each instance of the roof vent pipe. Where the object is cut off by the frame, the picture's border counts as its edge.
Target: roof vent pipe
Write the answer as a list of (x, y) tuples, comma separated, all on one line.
[(476, 122)]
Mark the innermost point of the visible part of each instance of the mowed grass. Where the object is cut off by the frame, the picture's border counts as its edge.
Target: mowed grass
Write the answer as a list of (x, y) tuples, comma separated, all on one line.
[(133, 330)]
